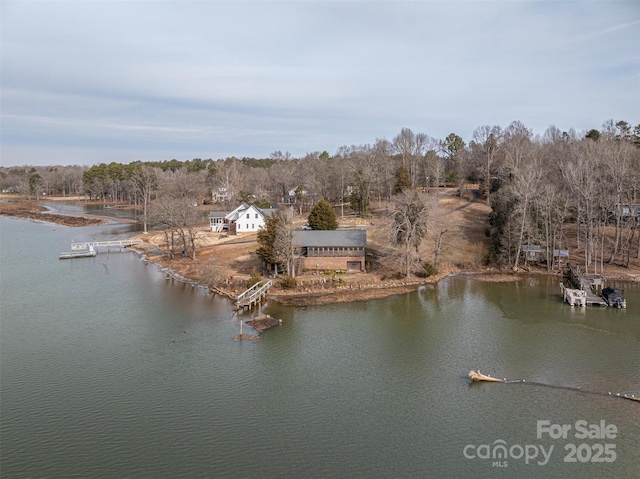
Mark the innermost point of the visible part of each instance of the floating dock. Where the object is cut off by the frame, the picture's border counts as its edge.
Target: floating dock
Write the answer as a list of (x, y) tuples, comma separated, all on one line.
[(91, 248), (79, 252), (263, 322)]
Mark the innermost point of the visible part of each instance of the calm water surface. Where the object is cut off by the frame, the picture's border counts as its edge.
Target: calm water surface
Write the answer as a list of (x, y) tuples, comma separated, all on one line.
[(109, 370)]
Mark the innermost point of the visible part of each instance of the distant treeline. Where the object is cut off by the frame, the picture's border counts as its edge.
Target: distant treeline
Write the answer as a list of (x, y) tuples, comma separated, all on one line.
[(535, 184)]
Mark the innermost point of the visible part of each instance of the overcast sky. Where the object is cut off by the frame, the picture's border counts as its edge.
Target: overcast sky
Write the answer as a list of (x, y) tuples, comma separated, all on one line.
[(85, 82)]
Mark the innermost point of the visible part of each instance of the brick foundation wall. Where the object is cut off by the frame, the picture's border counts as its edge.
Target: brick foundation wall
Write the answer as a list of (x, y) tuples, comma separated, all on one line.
[(328, 262)]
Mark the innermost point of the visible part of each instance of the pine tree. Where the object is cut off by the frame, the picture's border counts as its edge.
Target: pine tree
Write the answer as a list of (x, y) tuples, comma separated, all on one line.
[(403, 181), (322, 217), (266, 238)]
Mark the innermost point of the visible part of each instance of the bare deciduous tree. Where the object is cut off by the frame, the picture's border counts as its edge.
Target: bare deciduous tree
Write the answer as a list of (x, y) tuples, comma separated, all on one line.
[(409, 219), (486, 139), (283, 245), (410, 147), (145, 180)]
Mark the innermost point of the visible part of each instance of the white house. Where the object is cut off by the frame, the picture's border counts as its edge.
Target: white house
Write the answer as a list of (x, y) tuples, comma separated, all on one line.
[(294, 194), (244, 219), (220, 194)]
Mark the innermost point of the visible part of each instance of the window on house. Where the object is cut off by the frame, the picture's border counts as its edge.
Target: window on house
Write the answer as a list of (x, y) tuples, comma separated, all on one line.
[(253, 226), (247, 215), (256, 215)]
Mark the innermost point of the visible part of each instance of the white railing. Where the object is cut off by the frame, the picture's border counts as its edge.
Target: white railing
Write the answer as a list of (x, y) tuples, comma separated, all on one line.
[(256, 291), (106, 244)]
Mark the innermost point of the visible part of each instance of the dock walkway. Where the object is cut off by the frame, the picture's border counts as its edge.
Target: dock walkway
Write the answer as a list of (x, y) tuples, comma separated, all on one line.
[(253, 295), (586, 284), (91, 248), (107, 244)]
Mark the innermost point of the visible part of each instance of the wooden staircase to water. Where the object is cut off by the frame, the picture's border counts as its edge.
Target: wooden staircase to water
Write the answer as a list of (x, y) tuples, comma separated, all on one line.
[(254, 295)]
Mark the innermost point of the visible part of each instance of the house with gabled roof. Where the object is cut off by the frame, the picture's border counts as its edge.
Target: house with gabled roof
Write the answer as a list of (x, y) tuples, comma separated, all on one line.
[(244, 219), (295, 195), (331, 250)]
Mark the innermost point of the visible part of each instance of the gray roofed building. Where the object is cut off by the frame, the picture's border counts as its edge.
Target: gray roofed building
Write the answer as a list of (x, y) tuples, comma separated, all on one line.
[(218, 214), (331, 250), (327, 238)]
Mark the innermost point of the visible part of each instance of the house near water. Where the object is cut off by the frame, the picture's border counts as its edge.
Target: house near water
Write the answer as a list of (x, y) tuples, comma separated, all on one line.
[(244, 219), (336, 250)]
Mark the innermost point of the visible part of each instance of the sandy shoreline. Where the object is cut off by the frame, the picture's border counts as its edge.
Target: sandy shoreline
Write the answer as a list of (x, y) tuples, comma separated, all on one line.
[(38, 213)]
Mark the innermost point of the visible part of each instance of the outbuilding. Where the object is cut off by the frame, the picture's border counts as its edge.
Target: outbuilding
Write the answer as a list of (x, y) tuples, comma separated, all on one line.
[(337, 250)]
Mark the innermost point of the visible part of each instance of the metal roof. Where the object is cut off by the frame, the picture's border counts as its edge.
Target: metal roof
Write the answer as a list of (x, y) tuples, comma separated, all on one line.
[(330, 238), (241, 210)]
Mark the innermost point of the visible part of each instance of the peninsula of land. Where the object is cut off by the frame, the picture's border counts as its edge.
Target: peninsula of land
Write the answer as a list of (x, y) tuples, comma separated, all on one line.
[(13, 205)]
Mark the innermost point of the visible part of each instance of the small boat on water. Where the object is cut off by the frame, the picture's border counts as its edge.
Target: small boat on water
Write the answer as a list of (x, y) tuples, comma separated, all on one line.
[(477, 376), (79, 252), (614, 298), (573, 297)]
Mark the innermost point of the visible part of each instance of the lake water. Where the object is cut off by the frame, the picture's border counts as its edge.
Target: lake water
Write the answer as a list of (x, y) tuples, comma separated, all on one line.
[(110, 370)]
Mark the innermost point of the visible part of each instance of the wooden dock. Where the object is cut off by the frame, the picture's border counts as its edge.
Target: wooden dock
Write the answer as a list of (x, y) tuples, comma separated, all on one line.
[(263, 322), (595, 300), (586, 287), (254, 295)]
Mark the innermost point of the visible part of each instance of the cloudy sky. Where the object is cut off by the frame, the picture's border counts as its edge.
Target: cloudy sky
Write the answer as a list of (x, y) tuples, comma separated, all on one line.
[(88, 82)]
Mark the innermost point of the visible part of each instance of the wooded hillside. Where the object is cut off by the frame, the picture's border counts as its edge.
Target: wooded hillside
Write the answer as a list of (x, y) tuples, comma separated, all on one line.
[(535, 185)]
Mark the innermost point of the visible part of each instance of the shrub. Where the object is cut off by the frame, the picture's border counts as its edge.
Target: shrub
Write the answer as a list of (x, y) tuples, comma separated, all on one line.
[(394, 275), (333, 272), (426, 271), (288, 282), (254, 278)]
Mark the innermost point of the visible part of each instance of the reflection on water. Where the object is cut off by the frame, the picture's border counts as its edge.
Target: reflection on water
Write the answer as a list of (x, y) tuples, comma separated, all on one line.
[(110, 370)]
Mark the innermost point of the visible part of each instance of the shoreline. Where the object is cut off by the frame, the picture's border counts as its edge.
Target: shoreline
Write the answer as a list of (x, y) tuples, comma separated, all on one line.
[(13, 206), (347, 293), (311, 290), (52, 218)]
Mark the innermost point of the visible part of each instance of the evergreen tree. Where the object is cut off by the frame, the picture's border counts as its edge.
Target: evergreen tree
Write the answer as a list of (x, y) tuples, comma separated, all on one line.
[(322, 217), (267, 237), (403, 181), (593, 134), (359, 203)]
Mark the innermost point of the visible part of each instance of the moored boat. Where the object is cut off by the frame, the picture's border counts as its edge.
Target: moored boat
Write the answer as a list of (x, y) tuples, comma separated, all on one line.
[(614, 297)]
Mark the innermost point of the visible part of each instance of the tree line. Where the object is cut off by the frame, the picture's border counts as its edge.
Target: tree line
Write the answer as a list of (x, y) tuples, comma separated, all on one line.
[(535, 184)]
